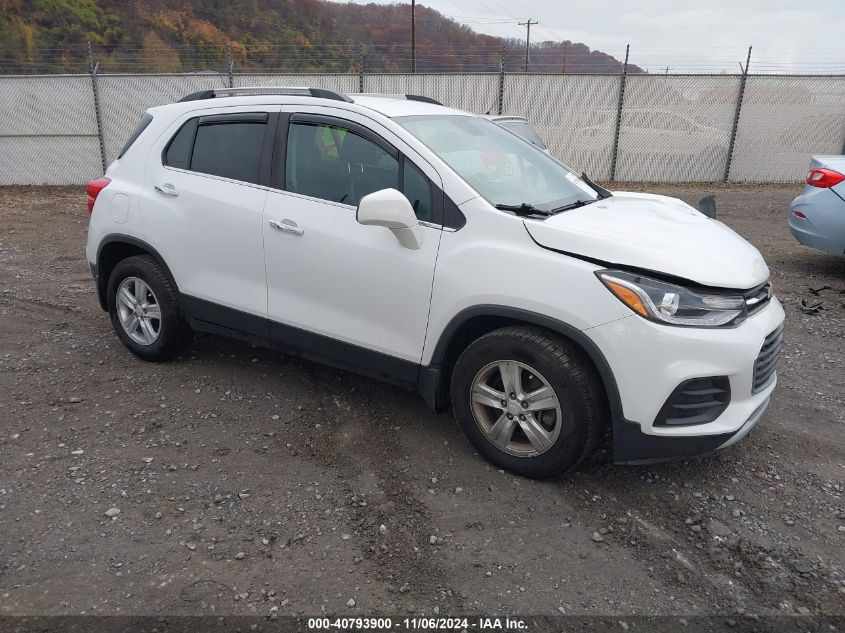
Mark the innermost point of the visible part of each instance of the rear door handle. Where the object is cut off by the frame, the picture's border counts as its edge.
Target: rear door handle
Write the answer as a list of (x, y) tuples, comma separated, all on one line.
[(167, 189), (287, 226)]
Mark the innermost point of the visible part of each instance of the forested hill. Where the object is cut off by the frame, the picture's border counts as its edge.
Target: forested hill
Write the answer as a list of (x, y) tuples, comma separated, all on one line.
[(280, 35)]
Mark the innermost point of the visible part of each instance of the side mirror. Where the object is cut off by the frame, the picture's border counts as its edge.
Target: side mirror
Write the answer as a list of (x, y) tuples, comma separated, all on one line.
[(391, 209), (707, 206)]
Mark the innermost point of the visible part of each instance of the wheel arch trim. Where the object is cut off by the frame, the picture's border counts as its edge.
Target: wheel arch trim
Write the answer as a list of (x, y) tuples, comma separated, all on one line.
[(431, 383), (121, 238)]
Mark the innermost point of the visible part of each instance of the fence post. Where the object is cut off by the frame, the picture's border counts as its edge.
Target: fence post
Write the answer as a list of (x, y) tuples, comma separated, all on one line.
[(501, 82), (735, 125), (619, 115), (230, 65), (361, 68), (92, 68)]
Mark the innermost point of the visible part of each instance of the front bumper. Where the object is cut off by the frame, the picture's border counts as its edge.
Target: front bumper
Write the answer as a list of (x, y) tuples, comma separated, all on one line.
[(632, 446), (649, 360)]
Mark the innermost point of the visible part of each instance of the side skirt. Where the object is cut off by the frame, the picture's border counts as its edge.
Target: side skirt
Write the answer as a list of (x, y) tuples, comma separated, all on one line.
[(206, 316)]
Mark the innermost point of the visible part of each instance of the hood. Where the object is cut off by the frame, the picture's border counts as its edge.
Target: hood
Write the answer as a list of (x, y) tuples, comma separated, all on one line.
[(654, 233)]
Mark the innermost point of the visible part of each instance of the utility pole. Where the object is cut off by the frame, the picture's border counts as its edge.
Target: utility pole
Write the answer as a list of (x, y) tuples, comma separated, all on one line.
[(527, 26), (414, 37), (563, 70)]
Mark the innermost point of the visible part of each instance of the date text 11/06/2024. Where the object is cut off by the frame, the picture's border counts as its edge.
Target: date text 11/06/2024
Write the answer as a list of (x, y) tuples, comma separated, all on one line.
[(421, 624)]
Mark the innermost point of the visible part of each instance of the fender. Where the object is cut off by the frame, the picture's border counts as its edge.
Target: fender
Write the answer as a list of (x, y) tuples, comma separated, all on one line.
[(111, 238), (433, 382)]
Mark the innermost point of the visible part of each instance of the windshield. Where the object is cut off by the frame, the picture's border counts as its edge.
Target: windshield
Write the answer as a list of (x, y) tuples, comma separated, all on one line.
[(500, 166)]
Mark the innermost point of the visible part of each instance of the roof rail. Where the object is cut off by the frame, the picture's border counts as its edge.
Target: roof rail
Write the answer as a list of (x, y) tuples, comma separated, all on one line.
[(320, 93), (396, 95)]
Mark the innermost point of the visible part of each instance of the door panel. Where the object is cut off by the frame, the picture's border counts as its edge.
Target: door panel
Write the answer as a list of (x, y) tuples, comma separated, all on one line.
[(335, 277), (347, 281), (208, 228), (210, 236)]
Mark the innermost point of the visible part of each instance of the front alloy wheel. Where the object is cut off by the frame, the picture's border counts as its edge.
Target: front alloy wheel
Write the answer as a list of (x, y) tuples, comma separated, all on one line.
[(528, 400), (516, 408)]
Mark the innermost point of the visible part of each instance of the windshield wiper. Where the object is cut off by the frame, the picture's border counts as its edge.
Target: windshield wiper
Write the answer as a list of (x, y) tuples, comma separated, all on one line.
[(603, 193), (573, 205), (522, 210)]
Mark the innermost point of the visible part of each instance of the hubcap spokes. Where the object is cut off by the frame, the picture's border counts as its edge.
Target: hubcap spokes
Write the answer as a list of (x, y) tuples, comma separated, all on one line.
[(138, 310), (516, 408)]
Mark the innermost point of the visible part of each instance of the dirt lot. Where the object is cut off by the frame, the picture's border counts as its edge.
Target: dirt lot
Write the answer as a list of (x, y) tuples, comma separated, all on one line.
[(252, 483)]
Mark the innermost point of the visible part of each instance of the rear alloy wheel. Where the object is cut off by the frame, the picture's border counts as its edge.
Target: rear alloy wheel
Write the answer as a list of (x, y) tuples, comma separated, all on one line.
[(138, 310), (528, 400), (144, 309)]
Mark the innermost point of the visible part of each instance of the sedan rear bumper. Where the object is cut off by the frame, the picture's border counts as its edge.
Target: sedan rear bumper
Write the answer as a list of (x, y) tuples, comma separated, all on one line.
[(817, 220)]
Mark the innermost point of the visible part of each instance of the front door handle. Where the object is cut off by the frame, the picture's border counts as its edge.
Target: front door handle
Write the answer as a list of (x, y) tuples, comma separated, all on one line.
[(167, 189), (287, 226)]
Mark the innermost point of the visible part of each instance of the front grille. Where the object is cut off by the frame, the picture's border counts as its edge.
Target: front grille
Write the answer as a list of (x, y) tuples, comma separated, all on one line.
[(696, 401), (764, 366), (757, 298)]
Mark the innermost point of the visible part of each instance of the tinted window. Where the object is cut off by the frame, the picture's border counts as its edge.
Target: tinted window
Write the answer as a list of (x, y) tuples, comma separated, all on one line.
[(334, 163), (146, 119), (178, 153), (417, 189), (231, 150)]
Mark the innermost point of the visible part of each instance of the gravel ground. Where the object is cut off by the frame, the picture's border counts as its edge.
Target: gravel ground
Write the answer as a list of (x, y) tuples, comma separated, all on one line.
[(239, 481)]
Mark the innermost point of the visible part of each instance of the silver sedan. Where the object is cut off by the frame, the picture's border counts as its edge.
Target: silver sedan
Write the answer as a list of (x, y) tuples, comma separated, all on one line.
[(817, 216)]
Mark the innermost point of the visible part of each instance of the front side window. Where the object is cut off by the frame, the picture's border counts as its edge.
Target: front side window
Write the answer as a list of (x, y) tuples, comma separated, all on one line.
[(334, 163), (504, 169), (228, 146)]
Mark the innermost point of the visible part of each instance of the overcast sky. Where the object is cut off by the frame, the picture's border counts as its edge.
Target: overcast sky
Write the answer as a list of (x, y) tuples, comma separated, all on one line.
[(686, 36)]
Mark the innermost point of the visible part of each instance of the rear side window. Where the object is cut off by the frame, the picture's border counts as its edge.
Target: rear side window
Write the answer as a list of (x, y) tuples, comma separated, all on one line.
[(225, 145), (146, 119)]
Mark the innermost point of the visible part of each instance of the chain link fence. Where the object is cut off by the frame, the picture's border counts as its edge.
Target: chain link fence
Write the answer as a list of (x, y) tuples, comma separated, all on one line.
[(666, 128)]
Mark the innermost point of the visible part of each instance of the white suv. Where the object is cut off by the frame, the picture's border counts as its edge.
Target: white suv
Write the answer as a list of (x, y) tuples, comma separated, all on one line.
[(433, 249)]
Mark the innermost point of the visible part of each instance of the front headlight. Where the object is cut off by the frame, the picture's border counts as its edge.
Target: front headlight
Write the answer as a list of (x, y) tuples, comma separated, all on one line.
[(671, 304)]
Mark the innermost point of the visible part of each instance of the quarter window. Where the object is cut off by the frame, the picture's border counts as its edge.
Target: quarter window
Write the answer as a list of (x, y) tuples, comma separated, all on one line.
[(146, 119), (178, 152), (417, 189), (228, 146)]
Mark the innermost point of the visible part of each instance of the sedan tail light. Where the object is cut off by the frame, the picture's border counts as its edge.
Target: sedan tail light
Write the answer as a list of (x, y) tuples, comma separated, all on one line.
[(94, 189), (824, 178)]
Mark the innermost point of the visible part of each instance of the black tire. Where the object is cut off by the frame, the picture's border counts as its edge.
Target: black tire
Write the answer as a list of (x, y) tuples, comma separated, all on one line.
[(567, 371), (174, 332)]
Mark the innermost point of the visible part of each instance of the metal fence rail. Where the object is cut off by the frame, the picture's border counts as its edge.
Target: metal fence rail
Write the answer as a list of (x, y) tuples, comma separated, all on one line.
[(669, 128)]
